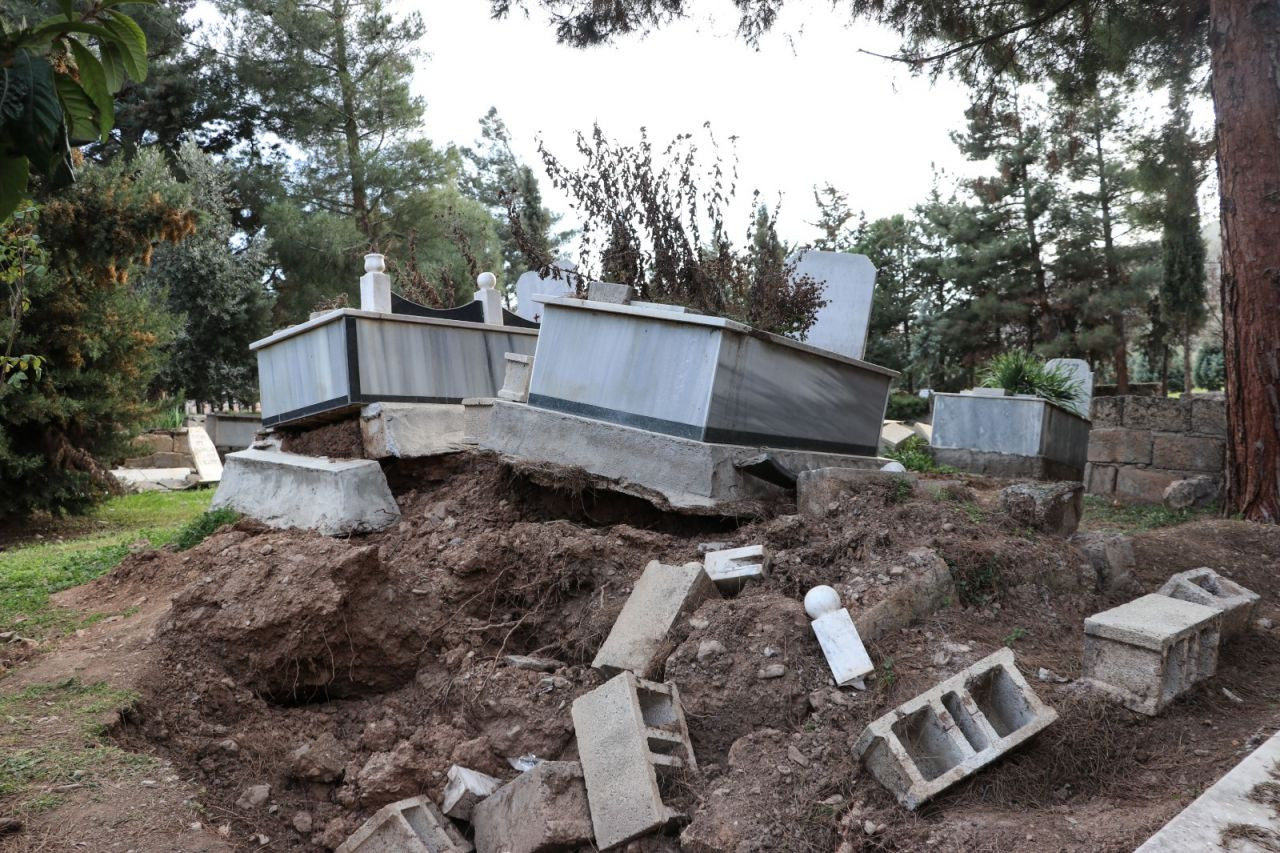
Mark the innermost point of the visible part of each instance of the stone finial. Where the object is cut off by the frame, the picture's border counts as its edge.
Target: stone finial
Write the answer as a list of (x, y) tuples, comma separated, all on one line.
[(375, 285), (374, 262), (487, 281), (489, 298), (820, 601)]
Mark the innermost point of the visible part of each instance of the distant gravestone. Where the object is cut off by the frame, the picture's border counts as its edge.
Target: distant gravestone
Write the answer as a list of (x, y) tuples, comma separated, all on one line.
[(1080, 372), (208, 465), (531, 284), (842, 323)]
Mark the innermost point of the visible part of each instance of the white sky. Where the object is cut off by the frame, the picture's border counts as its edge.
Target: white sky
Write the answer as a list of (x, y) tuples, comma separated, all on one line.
[(807, 107)]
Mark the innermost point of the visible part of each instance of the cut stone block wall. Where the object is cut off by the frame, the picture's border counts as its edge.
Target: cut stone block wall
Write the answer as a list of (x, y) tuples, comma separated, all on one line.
[(1140, 445)]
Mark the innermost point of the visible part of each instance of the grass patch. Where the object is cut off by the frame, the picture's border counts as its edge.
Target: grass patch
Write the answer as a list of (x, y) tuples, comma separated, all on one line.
[(29, 574), (1101, 514), (914, 456), (200, 528)]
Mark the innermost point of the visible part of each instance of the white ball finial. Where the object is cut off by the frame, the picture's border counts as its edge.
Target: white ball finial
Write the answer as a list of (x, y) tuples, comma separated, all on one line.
[(820, 601), (487, 281), (894, 467), (374, 262)]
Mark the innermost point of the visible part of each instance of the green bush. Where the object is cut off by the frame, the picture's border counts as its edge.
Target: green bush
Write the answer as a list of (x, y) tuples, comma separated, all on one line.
[(203, 526), (1021, 372), (1210, 371), (914, 456), (906, 407)]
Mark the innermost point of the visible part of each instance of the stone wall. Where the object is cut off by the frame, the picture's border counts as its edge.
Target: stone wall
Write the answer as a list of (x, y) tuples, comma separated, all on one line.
[(1140, 445)]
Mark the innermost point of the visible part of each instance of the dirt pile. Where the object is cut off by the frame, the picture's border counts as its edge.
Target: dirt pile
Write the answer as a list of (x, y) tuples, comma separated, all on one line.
[(345, 675)]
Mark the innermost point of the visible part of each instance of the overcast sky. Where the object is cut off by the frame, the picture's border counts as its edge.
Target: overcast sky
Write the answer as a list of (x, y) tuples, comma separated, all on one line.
[(807, 106)]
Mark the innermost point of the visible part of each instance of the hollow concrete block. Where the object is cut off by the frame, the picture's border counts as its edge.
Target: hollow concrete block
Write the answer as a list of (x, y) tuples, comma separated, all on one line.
[(331, 497), (1207, 587), (731, 568), (542, 809), (630, 732), (463, 789), (414, 825), (953, 730), (638, 639), (1148, 652)]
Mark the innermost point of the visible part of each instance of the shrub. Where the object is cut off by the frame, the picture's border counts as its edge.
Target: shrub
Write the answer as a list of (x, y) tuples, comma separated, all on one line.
[(1021, 372), (906, 407), (203, 526), (1211, 368), (915, 456)]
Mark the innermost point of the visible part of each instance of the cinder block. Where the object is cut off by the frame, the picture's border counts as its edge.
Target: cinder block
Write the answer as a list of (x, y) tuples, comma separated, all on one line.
[(629, 733), (1188, 453), (1100, 479), (515, 383), (638, 640), (731, 568), (1148, 652), (1209, 416), (1107, 411), (542, 809), (603, 291), (953, 730), (1130, 446), (1207, 587), (463, 789), (1166, 414), (414, 825)]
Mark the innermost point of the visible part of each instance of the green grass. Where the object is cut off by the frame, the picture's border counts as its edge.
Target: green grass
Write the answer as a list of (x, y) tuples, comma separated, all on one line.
[(1101, 514), (30, 573), (914, 455)]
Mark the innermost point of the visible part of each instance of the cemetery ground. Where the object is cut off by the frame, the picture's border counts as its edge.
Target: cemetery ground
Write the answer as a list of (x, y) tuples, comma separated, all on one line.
[(349, 673)]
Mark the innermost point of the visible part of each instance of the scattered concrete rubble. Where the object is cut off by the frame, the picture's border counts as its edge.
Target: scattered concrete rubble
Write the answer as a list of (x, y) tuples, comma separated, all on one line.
[(515, 383), (414, 825), (334, 498), (1052, 507), (1148, 652), (731, 568), (542, 809), (1207, 587), (464, 789), (629, 733), (953, 730), (1239, 807), (838, 637), (638, 640), (1110, 556)]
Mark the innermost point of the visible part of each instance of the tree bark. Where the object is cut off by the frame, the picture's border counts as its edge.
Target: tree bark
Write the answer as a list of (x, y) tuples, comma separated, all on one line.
[(350, 127), (1244, 38), (1111, 266)]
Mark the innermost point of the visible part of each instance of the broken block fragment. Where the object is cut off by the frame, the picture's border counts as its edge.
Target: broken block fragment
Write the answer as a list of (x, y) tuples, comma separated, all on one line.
[(953, 730), (541, 809), (1207, 587), (1149, 651), (838, 636), (638, 640), (414, 825), (731, 568), (464, 789), (515, 384), (629, 733)]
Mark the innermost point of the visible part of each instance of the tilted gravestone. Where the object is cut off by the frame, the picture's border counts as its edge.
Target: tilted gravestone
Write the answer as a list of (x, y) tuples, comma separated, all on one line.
[(531, 284), (850, 282), (1080, 372)]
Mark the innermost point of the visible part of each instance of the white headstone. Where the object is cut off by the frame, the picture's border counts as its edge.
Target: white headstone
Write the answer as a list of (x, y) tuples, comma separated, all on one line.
[(531, 284), (208, 465), (838, 636), (375, 285), (1080, 372), (850, 283)]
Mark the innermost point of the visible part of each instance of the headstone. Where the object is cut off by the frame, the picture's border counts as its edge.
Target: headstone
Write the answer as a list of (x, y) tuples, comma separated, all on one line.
[(1081, 373), (850, 281), (838, 636), (606, 291), (208, 464), (375, 285), (531, 284)]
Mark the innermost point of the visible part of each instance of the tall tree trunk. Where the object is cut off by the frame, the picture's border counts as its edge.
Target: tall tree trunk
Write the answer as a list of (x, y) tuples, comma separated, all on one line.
[(1046, 331), (1188, 381), (1244, 37), (350, 127), (1111, 265)]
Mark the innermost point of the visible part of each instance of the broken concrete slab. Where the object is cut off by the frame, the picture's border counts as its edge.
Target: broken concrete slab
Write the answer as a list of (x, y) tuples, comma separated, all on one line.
[(335, 498), (1051, 507), (730, 568), (542, 809), (953, 730), (1207, 587), (1110, 555), (1148, 652), (818, 488), (410, 430), (638, 640), (1240, 803), (463, 789), (515, 382), (893, 434), (667, 470), (925, 431), (629, 732), (414, 825), (204, 455), (154, 479), (846, 655)]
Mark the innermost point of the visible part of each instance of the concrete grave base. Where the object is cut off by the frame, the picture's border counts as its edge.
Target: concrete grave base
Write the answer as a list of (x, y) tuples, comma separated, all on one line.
[(1233, 801), (1007, 465), (406, 430), (679, 472), (334, 498)]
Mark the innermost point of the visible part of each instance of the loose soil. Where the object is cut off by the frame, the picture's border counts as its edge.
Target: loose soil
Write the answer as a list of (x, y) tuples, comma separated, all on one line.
[(347, 674)]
